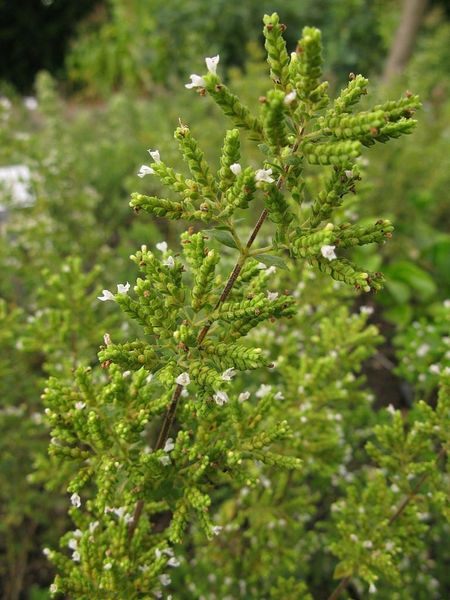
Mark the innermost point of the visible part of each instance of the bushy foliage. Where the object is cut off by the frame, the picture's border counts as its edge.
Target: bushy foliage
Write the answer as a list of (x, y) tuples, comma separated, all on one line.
[(237, 417)]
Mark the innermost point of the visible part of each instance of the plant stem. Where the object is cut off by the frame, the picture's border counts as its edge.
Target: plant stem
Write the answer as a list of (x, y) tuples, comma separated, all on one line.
[(400, 509), (170, 414)]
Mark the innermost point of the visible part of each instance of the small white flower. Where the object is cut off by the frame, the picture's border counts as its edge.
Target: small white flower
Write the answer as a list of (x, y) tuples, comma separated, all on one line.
[(367, 544), (149, 378), (353, 537), (30, 103), (46, 552), (162, 246), (220, 398), (263, 390), (53, 588), (372, 588), (289, 98), (123, 288), (395, 488), (106, 295), (328, 252), (271, 270), (173, 562), (5, 103), (93, 526), (169, 262), (126, 374), (447, 303), (211, 64), (75, 500), (236, 169), (243, 396), (196, 81), (164, 460), (422, 349), (165, 579), (264, 175), (183, 379), (169, 445), (228, 374), (279, 396), (80, 405), (348, 174), (145, 170), (72, 544), (107, 566), (76, 556), (155, 155), (107, 339), (435, 369), (216, 529), (158, 553), (366, 310), (391, 409), (272, 296), (261, 266)]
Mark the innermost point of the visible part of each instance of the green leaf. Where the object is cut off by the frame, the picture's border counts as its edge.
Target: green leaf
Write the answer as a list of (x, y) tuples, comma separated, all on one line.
[(413, 276), (271, 260), (222, 236)]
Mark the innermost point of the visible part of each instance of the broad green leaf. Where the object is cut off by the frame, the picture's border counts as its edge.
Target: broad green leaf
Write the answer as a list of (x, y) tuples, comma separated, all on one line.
[(222, 236)]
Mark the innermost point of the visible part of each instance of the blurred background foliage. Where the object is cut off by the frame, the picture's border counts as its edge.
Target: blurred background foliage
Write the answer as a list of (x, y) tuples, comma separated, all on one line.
[(113, 86)]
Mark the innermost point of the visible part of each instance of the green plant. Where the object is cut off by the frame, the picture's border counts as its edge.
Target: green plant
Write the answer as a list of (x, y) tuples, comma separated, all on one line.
[(161, 448)]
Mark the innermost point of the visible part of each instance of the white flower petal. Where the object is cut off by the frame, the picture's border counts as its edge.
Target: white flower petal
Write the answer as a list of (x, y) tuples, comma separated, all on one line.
[(196, 81), (145, 170), (211, 64), (75, 500), (155, 155), (123, 288), (106, 295), (289, 98), (236, 169), (169, 262), (183, 379), (272, 296), (264, 175), (162, 246), (220, 398), (328, 252), (228, 374)]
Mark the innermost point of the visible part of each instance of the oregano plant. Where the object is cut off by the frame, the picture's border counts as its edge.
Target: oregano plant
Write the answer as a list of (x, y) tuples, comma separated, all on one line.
[(236, 379)]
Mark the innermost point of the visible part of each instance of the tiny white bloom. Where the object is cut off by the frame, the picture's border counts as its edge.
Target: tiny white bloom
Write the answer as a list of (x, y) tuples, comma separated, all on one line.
[(164, 460), (211, 64), (149, 378), (228, 374), (367, 544), (395, 488), (348, 174), (183, 379), (271, 270), (236, 169), (328, 252), (72, 544), (261, 266), (435, 369), (106, 295), (289, 98), (263, 390), (279, 396), (243, 396), (80, 405), (447, 303), (46, 552), (169, 445), (76, 556), (220, 398), (272, 296), (30, 103), (216, 529), (75, 500), (145, 170), (162, 246), (165, 579), (196, 81), (169, 262), (422, 349), (372, 588), (366, 310), (155, 155), (264, 175), (93, 526), (123, 288), (53, 588), (158, 553), (107, 566), (391, 409), (353, 537), (173, 562), (107, 339)]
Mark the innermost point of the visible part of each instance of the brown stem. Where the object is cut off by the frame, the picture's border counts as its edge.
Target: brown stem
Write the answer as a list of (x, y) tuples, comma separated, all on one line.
[(400, 509)]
